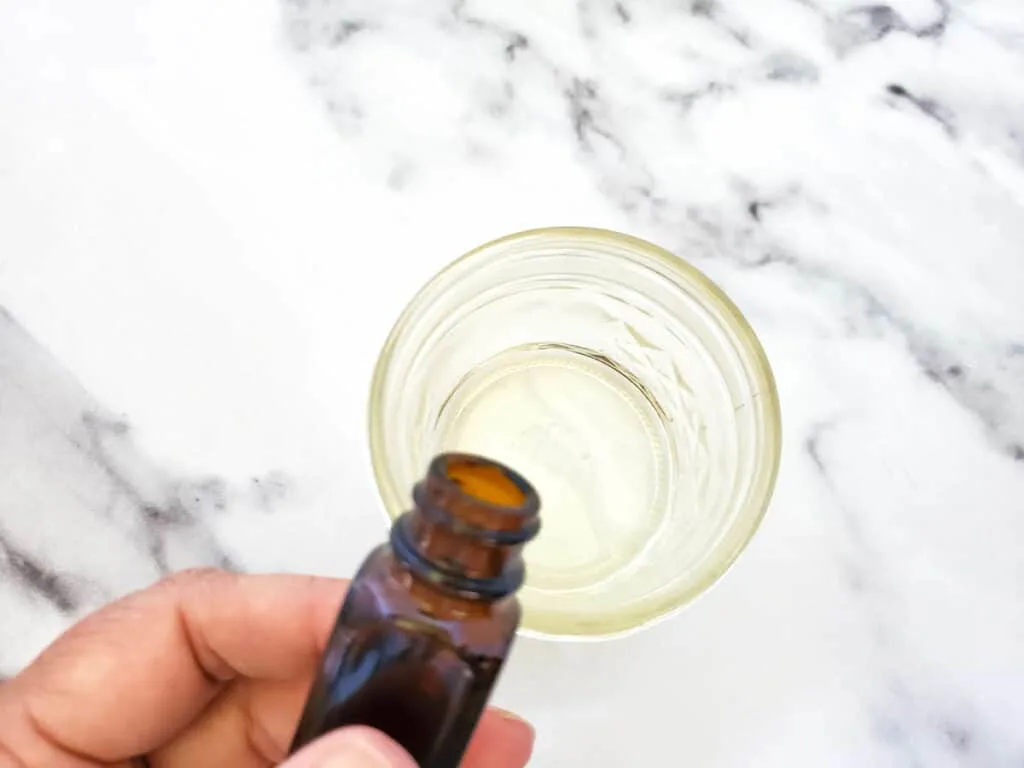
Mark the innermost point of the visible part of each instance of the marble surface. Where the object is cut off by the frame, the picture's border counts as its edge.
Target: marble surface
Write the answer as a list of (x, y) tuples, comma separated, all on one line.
[(210, 214)]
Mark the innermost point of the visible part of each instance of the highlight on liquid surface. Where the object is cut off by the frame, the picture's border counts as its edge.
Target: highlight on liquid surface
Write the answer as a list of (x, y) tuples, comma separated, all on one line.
[(588, 435)]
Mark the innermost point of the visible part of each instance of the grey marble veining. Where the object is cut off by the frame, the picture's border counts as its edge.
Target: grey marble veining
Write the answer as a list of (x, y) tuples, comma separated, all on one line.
[(210, 216), (836, 67), (85, 516)]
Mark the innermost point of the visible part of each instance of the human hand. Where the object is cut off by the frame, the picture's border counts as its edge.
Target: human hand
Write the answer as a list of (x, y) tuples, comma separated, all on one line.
[(205, 668)]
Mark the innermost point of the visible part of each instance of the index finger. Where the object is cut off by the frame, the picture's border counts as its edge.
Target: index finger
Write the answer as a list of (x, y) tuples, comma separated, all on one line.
[(134, 674)]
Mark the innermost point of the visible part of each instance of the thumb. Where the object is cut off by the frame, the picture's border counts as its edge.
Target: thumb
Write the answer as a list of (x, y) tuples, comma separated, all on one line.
[(353, 747)]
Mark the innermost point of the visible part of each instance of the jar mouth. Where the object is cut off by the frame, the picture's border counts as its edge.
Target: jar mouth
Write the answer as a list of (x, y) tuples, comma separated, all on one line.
[(584, 281)]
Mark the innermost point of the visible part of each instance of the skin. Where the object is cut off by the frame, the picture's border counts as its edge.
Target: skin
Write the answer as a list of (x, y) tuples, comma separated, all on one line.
[(206, 668)]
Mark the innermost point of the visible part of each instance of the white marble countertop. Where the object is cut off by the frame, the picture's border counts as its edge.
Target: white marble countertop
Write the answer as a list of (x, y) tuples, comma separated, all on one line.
[(210, 214)]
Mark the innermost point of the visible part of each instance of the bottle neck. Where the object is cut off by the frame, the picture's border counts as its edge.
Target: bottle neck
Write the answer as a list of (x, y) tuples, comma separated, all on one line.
[(454, 561), (470, 520)]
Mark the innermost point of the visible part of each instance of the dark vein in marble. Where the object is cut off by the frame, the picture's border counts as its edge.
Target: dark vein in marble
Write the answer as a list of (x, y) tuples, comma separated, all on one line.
[(686, 100), (971, 390), (98, 429), (813, 449), (703, 8), (304, 34), (38, 577), (711, 11), (759, 205), (182, 505), (514, 42), (719, 236), (517, 42), (958, 736), (926, 106), (157, 518), (583, 99), (270, 489), (345, 30), (974, 394), (788, 67), (623, 177), (784, 67), (871, 23)]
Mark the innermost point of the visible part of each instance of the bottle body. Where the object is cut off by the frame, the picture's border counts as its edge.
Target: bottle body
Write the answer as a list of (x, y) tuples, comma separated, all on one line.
[(420, 675), (431, 616)]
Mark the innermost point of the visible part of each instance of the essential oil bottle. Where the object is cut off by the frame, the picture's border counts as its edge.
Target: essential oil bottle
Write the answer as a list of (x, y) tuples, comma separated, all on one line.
[(430, 616)]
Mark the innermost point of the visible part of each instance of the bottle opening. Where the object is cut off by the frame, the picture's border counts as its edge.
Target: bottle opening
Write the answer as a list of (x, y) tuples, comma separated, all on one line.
[(485, 482)]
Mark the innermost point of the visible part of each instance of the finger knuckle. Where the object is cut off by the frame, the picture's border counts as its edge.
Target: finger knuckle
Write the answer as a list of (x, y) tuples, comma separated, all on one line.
[(191, 578)]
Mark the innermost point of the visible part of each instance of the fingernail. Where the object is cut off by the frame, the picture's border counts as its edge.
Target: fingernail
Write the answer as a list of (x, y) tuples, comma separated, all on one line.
[(355, 747), (356, 752), (512, 717)]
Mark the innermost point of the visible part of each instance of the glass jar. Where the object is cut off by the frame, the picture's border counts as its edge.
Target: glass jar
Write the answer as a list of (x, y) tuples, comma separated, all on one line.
[(623, 383)]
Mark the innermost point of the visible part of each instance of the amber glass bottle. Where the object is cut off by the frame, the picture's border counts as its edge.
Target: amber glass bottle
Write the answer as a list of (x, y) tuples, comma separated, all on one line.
[(430, 616)]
